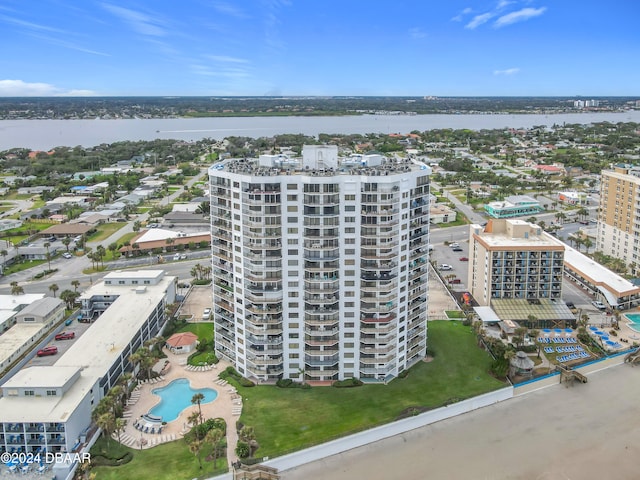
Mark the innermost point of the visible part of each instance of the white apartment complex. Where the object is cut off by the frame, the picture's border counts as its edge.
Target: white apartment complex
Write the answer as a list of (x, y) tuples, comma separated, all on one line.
[(48, 408), (320, 265), (619, 217)]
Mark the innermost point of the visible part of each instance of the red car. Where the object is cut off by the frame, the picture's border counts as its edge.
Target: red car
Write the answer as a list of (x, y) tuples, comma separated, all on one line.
[(455, 280), (464, 259), (47, 351), (65, 335)]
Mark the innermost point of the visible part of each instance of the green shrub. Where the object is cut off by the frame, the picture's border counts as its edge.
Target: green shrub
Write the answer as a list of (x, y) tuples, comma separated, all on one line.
[(100, 460), (288, 383), (347, 383), (242, 449)]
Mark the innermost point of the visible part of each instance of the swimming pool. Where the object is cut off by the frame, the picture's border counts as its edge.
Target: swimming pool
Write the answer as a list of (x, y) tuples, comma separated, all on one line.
[(176, 396), (634, 318)]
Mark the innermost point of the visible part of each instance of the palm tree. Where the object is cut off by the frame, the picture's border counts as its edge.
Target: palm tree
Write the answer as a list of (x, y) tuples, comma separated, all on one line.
[(197, 399), (248, 435), (54, 288), (195, 446), (169, 241), (583, 213), (213, 438), (136, 226), (106, 421), (588, 243), (16, 289), (75, 284), (66, 241), (69, 297), (101, 253), (112, 248), (4, 254)]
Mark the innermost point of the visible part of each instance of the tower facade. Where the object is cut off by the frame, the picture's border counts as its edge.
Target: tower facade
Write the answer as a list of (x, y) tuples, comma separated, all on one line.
[(320, 265)]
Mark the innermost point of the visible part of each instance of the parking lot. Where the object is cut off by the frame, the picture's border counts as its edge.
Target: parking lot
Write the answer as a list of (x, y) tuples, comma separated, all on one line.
[(197, 300), (63, 345)]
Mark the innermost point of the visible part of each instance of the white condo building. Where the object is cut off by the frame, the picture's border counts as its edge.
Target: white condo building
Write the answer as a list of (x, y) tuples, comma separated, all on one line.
[(48, 408), (320, 265)]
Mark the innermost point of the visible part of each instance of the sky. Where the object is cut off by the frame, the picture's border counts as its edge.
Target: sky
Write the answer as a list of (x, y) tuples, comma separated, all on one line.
[(319, 47)]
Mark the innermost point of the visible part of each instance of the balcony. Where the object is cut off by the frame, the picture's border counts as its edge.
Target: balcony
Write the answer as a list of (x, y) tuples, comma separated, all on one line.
[(265, 310), (263, 341), (377, 318), (320, 341), (264, 360), (321, 299)]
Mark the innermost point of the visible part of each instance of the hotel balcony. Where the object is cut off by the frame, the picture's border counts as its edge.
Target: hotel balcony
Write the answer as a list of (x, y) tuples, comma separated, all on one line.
[(376, 328), (271, 309), (368, 350), (374, 360), (264, 359), (224, 304)]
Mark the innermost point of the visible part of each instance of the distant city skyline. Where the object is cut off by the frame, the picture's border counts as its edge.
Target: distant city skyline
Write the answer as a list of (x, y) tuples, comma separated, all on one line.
[(291, 47)]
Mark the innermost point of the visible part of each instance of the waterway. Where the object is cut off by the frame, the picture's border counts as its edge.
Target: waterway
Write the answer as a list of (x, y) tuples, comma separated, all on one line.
[(47, 134)]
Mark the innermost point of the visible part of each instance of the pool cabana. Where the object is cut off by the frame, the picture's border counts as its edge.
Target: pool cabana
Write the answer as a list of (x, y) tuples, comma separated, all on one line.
[(185, 342)]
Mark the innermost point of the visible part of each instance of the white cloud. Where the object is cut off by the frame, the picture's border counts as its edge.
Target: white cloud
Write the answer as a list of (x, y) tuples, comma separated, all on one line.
[(228, 9), (503, 3), (519, 16), (138, 21), (226, 59), (508, 71), (479, 20), (417, 33), (19, 88), (458, 18)]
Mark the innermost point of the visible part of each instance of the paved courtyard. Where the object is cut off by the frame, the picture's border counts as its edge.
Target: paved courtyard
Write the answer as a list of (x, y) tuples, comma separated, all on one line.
[(227, 405)]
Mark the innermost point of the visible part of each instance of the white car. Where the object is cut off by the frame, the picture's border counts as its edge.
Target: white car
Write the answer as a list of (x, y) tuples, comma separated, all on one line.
[(67, 255), (599, 305), (454, 245), (206, 313), (445, 266)]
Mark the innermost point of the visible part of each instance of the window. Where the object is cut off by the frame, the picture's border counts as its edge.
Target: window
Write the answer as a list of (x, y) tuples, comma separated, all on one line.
[(349, 208), (292, 252), (292, 208), (29, 393), (292, 231), (349, 198), (292, 263), (292, 186), (294, 346), (292, 198), (51, 393), (349, 230), (293, 304), (349, 219)]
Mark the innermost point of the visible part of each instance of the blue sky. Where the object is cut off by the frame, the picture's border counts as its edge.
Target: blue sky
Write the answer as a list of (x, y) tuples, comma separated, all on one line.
[(319, 47)]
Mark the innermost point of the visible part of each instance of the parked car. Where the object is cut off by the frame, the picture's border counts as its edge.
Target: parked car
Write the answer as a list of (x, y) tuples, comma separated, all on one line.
[(183, 256), (454, 245), (599, 305), (46, 351), (463, 259), (65, 335), (68, 322), (457, 249), (206, 313), (176, 256), (455, 280), (67, 255), (445, 267)]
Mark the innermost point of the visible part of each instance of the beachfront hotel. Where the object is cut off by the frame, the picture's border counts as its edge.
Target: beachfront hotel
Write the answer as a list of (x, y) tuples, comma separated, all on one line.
[(48, 408), (320, 265), (514, 259)]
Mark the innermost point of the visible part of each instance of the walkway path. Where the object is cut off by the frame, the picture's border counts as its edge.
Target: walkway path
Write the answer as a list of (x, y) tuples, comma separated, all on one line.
[(228, 405)]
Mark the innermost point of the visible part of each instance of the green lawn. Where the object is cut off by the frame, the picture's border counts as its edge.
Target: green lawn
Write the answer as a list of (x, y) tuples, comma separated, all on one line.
[(169, 461), (204, 331), (281, 416), (126, 237), (105, 231)]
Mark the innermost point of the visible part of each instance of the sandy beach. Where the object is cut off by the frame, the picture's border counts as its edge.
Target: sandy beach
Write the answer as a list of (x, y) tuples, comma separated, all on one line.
[(589, 431)]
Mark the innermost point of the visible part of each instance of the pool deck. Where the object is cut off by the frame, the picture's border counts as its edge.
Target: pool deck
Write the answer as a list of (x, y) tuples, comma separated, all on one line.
[(227, 405)]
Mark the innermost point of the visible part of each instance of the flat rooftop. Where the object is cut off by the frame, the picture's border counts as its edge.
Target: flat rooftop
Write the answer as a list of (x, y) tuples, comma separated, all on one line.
[(46, 409), (597, 274), (44, 377), (106, 338), (16, 337), (295, 167)]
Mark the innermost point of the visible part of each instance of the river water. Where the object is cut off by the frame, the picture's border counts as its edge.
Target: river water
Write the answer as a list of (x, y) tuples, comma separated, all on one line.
[(47, 134)]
